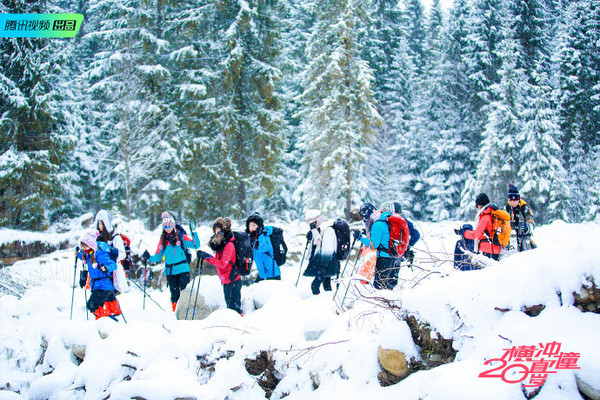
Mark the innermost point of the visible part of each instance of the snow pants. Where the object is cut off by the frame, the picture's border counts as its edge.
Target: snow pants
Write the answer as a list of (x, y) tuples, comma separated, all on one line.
[(316, 283), (233, 295), (99, 297), (176, 284), (386, 273)]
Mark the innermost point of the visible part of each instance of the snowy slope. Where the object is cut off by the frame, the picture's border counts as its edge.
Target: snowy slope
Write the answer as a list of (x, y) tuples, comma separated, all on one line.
[(319, 350)]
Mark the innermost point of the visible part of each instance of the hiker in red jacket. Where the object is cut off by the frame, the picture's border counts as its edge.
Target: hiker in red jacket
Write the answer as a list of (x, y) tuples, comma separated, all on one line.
[(483, 232), (222, 243)]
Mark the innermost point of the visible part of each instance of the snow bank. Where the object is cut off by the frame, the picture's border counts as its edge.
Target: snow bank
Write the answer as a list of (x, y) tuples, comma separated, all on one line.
[(317, 350)]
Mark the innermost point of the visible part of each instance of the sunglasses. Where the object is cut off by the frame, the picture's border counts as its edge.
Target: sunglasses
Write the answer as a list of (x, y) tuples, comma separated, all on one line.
[(167, 227)]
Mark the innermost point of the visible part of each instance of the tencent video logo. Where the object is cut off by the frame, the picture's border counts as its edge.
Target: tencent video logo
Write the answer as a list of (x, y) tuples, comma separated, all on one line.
[(40, 25)]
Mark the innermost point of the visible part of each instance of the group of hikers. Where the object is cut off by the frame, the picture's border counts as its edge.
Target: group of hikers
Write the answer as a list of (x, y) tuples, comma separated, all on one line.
[(387, 233), (497, 230)]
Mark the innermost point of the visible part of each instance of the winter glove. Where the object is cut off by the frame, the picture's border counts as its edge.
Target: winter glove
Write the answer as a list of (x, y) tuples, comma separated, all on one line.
[(146, 255), (524, 228), (410, 256), (459, 231), (308, 236), (356, 234), (202, 254), (83, 278)]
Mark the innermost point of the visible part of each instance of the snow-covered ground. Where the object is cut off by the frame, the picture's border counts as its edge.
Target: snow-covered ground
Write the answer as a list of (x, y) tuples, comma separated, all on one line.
[(319, 349)]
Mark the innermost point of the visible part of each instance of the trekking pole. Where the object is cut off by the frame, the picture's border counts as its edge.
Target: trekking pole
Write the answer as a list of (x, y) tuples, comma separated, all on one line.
[(74, 275), (150, 297), (350, 281), (145, 262), (197, 288), (192, 288), (345, 266), (300, 271), (87, 314), (120, 308)]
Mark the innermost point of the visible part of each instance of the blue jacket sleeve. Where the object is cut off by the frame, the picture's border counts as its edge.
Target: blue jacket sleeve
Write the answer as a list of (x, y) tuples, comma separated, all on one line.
[(414, 233), (192, 244), (264, 242), (103, 258)]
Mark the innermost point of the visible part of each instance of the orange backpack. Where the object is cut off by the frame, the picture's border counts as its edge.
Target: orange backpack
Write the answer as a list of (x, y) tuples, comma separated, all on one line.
[(500, 227)]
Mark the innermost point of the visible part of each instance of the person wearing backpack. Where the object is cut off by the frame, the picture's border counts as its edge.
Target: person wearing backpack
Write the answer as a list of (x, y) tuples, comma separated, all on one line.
[(386, 267), (222, 243), (107, 233), (409, 254), (173, 245), (96, 256), (119, 251), (262, 248), (521, 219), (462, 260), (323, 261), (483, 233)]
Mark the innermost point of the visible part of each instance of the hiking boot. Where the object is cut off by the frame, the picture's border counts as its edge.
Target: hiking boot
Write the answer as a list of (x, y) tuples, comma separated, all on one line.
[(112, 307), (174, 306), (100, 312)]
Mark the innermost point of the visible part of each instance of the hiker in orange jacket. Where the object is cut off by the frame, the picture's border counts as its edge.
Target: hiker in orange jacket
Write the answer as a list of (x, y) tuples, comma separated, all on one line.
[(484, 231)]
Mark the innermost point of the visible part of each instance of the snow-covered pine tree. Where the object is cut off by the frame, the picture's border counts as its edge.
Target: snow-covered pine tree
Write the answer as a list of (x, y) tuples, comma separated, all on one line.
[(34, 143), (414, 142), (593, 212), (499, 155), (417, 33), (193, 30), (540, 159), (545, 184), (578, 97), (296, 19), (429, 110), (137, 129), (385, 48), (450, 114), (483, 64), (339, 114), (244, 163)]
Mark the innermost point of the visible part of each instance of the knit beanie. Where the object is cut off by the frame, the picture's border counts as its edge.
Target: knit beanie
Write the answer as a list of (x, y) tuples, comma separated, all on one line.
[(513, 192), (167, 219), (482, 200), (366, 210), (387, 206), (257, 219), (397, 208), (90, 240)]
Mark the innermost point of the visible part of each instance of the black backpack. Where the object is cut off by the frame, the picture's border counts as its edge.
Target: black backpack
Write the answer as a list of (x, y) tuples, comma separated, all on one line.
[(243, 252), (342, 234), (279, 247), (180, 232)]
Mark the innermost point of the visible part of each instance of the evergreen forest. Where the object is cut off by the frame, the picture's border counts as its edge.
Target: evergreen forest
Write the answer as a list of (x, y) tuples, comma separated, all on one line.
[(226, 107)]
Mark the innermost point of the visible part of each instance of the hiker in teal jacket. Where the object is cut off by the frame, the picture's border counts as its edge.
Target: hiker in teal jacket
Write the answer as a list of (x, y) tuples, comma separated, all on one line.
[(385, 272), (171, 247)]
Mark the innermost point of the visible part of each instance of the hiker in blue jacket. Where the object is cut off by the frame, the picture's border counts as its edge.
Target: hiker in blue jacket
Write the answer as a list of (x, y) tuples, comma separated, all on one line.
[(380, 241), (96, 256), (172, 247), (262, 248)]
